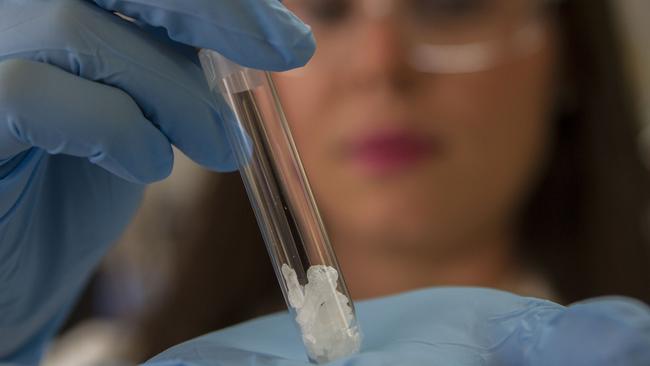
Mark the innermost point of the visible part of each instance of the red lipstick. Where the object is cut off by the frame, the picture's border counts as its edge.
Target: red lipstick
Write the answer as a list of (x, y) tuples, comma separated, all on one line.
[(391, 152)]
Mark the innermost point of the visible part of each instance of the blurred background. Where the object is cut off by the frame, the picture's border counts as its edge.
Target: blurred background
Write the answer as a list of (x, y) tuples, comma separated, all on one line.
[(137, 277), (635, 24)]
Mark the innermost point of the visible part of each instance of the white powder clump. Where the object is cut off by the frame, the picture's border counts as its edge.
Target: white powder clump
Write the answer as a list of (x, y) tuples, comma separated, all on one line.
[(323, 313)]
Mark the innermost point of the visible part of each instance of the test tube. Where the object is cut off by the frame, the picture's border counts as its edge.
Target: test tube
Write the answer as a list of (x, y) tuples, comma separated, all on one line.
[(285, 208)]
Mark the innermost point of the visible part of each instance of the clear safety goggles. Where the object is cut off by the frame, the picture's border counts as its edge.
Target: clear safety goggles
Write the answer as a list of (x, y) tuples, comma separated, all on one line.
[(441, 36)]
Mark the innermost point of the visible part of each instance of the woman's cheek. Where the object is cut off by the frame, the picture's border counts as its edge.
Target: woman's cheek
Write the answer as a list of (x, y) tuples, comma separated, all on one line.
[(503, 134), (313, 110)]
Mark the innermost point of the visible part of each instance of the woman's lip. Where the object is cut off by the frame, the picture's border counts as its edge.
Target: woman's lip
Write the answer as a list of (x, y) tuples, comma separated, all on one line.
[(391, 151)]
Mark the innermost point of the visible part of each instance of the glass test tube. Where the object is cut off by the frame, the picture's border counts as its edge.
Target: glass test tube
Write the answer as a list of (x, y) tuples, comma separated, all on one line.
[(285, 209)]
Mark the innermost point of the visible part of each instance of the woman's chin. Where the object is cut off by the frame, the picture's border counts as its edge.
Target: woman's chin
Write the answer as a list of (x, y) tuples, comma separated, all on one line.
[(391, 230)]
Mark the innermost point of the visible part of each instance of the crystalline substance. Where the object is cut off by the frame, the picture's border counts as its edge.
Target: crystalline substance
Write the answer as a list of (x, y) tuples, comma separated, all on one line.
[(296, 296), (323, 313)]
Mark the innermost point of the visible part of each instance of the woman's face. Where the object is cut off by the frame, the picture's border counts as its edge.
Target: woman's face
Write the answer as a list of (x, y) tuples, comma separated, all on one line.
[(401, 157)]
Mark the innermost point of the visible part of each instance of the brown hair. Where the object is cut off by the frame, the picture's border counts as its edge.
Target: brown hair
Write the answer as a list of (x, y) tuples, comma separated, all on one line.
[(583, 227), (223, 275), (586, 226)]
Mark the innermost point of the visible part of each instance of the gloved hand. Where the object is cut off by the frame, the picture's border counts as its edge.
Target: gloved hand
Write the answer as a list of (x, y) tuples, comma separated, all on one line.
[(90, 105), (447, 326)]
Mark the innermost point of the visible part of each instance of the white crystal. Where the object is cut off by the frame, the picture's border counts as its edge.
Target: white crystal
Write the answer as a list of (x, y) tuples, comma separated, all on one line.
[(323, 313), (296, 296)]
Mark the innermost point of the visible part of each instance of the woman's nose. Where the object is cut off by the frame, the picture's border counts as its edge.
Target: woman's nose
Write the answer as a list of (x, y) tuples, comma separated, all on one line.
[(377, 8), (380, 52)]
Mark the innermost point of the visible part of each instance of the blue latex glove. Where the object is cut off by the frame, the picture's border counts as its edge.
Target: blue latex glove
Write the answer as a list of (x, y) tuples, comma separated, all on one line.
[(89, 107), (447, 326)]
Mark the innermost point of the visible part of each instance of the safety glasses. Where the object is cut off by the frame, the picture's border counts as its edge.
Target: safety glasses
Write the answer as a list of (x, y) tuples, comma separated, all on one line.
[(440, 36)]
